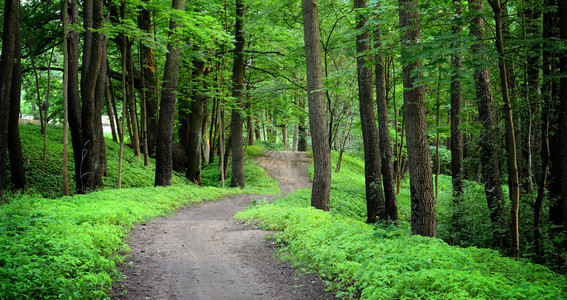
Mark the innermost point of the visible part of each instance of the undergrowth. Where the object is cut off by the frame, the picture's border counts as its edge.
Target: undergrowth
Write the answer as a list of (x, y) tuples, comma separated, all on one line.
[(371, 262), (68, 247)]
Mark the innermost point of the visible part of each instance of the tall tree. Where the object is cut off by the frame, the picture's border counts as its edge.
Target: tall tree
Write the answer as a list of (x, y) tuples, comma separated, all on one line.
[(193, 147), (419, 162), (386, 151), (164, 141), (562, 12), (149, 69), (65, 167), (92, 61), (238, 69), (320, 194), (513, 179), (372, 177), (10, 43), (489, 138), (456, 110)]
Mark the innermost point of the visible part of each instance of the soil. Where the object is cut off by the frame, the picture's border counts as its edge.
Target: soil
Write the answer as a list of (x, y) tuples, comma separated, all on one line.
[(201, 252)]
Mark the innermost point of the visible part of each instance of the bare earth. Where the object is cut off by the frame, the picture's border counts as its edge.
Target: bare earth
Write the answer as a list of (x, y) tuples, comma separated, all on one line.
[(202, 253)]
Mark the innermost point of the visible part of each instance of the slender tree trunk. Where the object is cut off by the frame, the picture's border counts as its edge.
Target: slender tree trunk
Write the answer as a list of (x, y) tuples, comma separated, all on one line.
[(513, 180), (437, 140), (113, 103), (421, 185), (563, 109), (144, 110), (14, 145), (545, 155), (193, 147), (148, 65), (375, 206), (456, 110), (110, 112), (489, 139), (238, 69), (164, 146), (302, 131), (391, 203), (101, 168), (135, 138), (320, 193), (65, 168), (284, 136), (250, 129)]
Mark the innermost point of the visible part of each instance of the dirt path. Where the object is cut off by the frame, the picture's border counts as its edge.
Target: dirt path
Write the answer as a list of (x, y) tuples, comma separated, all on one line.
[(202, 253)]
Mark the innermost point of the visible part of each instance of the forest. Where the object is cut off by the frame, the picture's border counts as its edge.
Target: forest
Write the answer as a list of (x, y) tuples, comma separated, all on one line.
[(433, 130)]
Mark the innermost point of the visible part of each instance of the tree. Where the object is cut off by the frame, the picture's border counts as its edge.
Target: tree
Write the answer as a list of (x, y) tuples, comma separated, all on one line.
[(372, 177), (419, 162), (456, 111), (320, 194), (92, 61), (488, 139), (386, 151), (164, 141), (513, 179), (238, 69), (10, 89), (193, 147)]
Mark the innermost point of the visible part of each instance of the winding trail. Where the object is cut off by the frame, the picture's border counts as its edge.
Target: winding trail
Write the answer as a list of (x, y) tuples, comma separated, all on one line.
[(203, 253)]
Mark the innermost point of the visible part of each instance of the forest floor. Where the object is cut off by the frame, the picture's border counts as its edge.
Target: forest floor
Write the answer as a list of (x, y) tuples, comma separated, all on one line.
[(201, 252)]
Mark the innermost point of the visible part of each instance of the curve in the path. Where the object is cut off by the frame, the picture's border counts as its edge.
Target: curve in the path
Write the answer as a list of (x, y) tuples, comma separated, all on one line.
[(203, 253)]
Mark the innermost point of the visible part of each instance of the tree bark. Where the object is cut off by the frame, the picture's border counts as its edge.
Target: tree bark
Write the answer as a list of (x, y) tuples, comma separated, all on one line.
[(135, 137), (489, 138), (320, 193), (386, 151), (421, 182), (148, 65), (9, 39), (301, 130), (236, 132), (14, 145), (456, 110), (164, 141), (193, 146), (563, 109), (65, 166), (375, 206), (513, 180)]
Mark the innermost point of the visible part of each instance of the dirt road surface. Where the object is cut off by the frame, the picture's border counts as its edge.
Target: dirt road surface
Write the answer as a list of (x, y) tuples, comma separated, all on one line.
[(202, 253)]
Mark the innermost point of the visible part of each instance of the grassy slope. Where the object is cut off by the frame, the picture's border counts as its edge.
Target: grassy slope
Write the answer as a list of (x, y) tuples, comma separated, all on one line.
[(389, 263), (68, 247)]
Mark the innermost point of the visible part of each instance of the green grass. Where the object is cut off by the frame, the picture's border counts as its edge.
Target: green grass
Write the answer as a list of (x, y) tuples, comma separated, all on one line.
[(372, 262), (68, 247), (48, 184)]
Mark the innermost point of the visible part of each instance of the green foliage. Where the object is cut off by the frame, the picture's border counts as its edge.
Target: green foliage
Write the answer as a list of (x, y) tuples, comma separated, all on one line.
[(68, 247), (48, 183), (371, 262), (270, 145)]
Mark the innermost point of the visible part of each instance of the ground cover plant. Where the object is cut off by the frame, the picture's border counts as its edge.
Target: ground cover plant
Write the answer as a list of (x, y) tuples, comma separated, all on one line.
[(374, 262), (47, 183), (68, 247)]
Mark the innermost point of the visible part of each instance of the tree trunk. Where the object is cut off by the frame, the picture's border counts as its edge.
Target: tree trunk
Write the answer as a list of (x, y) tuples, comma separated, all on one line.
[(135, 137), (320, 194), (302, 131), (101, 167), (489, 138), (65, 166), (456, 110), (375, 207), (92, 58), (250, 129), (284, 136), (164, 141), (193, 146), (110, 112), (149, 70), (563, 110), (9, 39), (73, 100), (421, 184), (513, 180), (391, 203), (238, 69), (14, 145)]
